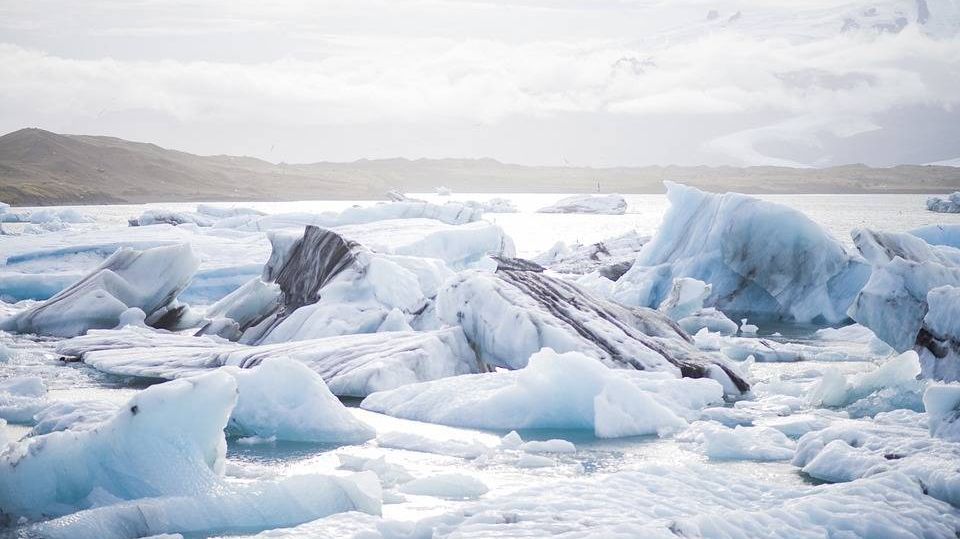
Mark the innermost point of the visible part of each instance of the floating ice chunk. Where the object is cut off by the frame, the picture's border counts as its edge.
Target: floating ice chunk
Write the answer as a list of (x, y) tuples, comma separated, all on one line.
[(285, 400), (837, 462), (230, 509), (797, 425), (947, 204), (942, 403), (5, 353), (512, 440), (415, 442), (526, 460), (167, 440), (553, 391), (351, 365), (610, 257), (728, 417), (948, 235), (739, 443), (450, 213), (21, 398), (898, 374), (149, 280), (762, 259), (747, 329), (494, 205), (390, 474), (764, 350), (686, 297), (64, 215), (548, 446), (256, 440), (454, 486), (622, 411), (170, 217), (604, 204), (514, 312), (709, 319)]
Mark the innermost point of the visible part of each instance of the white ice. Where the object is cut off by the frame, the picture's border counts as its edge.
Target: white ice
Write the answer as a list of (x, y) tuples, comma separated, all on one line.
[(568, 390), (602, 204), (762, 259)]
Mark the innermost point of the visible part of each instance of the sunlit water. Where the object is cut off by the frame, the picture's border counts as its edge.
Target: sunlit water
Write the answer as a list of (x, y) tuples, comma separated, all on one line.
[(533, 233)]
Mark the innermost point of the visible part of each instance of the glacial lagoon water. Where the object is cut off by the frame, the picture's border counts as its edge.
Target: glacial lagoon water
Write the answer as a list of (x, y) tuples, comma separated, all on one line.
[(596, 461)]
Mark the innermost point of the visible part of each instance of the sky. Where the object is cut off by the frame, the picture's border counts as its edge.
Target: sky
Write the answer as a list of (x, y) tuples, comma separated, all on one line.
[(536, 82)]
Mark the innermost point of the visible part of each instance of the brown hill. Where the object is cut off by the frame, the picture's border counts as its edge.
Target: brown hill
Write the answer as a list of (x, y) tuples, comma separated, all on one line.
[(38, 167)]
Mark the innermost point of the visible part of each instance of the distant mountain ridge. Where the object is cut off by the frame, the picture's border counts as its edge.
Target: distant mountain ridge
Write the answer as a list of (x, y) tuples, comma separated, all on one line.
[(38, 167)]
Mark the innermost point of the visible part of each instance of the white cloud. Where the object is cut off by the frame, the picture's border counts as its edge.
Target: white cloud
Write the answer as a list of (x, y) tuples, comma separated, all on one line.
[(791, 82)]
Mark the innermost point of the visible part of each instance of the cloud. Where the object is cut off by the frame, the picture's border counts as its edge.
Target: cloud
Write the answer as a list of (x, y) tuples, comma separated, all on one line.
[(791, 84)]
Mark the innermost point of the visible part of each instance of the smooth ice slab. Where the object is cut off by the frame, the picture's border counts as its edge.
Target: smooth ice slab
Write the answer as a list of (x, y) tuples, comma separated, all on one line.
[(351, 365)]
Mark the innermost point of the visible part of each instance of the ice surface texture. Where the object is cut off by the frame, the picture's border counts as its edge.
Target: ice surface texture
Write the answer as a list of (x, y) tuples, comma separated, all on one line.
[(762, 259), (351, 365), (510, 314), (149, 280)]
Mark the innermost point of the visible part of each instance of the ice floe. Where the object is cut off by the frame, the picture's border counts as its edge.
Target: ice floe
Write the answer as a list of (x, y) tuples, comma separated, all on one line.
[(603, 204), (947, 204), (554, 390)]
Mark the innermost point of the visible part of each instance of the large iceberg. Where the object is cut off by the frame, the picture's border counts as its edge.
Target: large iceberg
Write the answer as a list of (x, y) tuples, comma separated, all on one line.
[(147, 280), (450, 213), (515, 311), (565, 391), (762, 259), (351, 365), (947, 204), (948, 235), (604, 204)]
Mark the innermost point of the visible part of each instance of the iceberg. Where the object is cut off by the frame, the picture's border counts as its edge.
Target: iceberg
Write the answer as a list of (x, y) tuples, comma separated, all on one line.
[(351, 365), (453, 486), (684, 305), (149, 280), (947, 204), (562, 391), (284, 399), (167, 440), (610, 257), (602, 204), (511, 313), (762, 259)]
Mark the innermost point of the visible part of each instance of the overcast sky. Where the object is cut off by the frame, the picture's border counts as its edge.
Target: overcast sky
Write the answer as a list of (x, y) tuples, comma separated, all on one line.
[(600, 83)]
